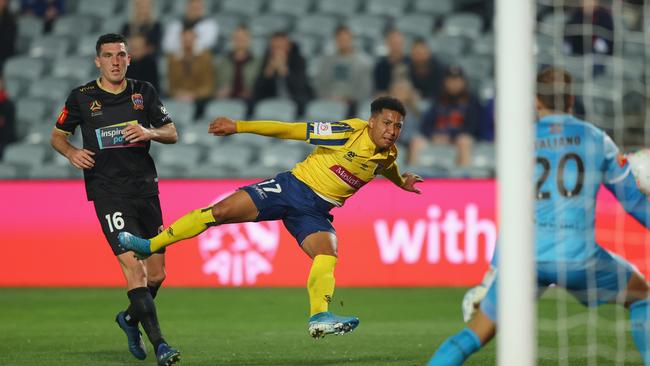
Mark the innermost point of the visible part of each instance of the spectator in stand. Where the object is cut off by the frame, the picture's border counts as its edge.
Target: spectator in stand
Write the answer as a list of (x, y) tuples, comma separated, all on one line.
[(452, 119), (8, 33), (486, 129), (237, 70), (191, 75), (204, 27), (425, 72), (49, 10), (345, 75), (590, 29), (403, 90), (143, 64), (392, 66), (143, 23), (7, 119), (283, 73)]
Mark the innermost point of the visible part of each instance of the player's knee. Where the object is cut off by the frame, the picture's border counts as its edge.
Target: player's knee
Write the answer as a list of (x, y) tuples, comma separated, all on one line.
[(156, 278), (221, 212)]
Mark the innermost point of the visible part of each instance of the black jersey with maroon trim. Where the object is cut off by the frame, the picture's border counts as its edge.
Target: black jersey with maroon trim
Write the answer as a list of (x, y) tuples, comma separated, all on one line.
[(121, 168)]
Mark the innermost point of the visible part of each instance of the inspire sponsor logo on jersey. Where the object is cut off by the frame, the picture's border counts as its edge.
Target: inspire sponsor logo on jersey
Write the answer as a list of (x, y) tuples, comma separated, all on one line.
[(349, 178), (111, 137)]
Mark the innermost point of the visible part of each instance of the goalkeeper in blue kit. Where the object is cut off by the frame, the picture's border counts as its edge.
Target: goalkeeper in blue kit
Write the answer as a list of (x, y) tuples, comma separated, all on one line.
[(573, 159)]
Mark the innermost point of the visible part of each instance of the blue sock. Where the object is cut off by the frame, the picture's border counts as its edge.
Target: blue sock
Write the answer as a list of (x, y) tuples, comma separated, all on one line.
[(456, 349), (641, 328)]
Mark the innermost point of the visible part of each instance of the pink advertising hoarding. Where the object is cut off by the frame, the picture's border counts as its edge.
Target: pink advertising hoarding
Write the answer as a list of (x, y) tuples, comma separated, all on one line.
[(50, 236)]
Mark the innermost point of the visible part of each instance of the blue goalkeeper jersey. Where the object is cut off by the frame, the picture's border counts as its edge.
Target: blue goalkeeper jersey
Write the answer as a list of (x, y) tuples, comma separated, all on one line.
[(573, 158)]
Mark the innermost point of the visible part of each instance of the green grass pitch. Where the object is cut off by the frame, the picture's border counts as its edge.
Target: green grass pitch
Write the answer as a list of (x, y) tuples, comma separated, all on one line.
[(269, 327)]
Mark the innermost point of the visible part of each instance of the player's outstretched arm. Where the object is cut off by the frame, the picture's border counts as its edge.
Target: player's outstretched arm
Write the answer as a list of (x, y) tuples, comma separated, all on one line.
[(405, 181), (223, 126), (79, 158), (632, 199)]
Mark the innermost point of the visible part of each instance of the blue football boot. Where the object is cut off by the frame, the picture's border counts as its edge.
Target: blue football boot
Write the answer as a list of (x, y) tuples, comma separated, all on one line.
[(133, 336), (140, 247), (166, 355), (325, 323)]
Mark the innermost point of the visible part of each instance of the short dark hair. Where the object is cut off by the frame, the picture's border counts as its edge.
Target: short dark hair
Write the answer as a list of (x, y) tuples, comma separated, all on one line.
[(389, 103), (109, 38), (554, 89)]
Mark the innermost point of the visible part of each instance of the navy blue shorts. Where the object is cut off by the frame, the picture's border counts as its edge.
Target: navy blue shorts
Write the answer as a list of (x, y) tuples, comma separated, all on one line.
[(288, 199)]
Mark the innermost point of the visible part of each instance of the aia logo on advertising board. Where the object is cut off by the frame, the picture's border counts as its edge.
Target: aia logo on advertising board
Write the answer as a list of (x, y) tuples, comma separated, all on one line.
[(238, 253)]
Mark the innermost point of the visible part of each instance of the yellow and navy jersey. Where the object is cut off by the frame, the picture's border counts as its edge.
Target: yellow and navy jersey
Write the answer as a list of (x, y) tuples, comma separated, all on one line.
[(121, 168), (344, 160)]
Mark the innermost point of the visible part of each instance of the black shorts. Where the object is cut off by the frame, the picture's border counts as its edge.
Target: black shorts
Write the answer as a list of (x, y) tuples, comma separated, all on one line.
[(140, 216)]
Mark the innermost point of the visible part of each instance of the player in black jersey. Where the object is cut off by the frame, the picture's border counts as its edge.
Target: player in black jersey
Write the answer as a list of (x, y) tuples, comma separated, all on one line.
[(119, 118)]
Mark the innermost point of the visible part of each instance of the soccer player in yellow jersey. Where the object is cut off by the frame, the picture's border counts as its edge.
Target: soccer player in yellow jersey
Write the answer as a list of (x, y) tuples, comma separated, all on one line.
[(349, 154)]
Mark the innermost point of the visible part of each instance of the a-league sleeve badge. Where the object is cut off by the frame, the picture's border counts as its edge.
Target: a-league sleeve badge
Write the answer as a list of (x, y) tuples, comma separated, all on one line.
[(138, 101)]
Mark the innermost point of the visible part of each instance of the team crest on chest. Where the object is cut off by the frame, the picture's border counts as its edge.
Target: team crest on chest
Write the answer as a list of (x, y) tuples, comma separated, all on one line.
[(138, 101)]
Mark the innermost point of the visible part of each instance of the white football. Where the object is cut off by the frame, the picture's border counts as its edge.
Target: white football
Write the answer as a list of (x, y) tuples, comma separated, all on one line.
[(640, 164)]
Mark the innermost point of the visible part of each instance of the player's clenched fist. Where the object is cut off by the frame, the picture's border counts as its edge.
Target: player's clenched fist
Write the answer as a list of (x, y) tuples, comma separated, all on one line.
[(222, 126)]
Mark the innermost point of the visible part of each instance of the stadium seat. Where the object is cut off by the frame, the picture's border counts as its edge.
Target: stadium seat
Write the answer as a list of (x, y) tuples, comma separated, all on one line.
[(178, 155), (28, 68), (484, 45), (258, 46), (483, 156), (267, 24), (208, 171), (182, 113), (277, 109), (196, 134), (244, 7), (415, 25), (372, 26), (437, 156), (435, 7), (634, 102), (257, 171), (115, 25), (227, 23), (463, 24), (97, 8), (322, 25), (392, 8), (172, 171), (50, 47), (80, 68), (54, 89), (8, 171), (469, 173), (232, 108), (325, 110), (47, 172), (40, 132), (230, 155), (251, 139), (309, 45), (446, 46), (295, 8), (30, 110), (281, 156), (476, 67), (25, 155), (339, 7), (85, 46), (634, 50), (15, 87), (29, 26), (73, 25), (552, 23)]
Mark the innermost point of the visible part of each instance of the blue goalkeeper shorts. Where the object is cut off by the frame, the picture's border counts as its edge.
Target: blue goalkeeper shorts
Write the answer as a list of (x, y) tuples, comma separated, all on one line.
[(286, 198), (595, 281)]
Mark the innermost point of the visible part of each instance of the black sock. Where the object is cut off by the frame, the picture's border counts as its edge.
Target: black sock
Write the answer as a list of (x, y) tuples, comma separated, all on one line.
[(130, 317), (153, 289), (144, 310)]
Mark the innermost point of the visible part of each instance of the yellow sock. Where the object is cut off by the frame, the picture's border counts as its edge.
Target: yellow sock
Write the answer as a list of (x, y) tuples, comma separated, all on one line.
[(321, 283), (188, 226)]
